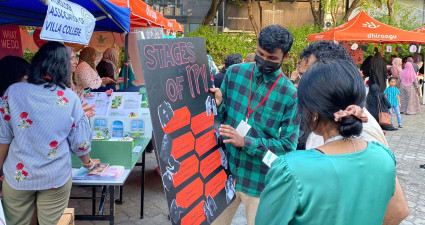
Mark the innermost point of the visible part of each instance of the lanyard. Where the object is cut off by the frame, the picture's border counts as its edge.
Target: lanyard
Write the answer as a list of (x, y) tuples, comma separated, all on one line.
[(336, 138), (264, 99)]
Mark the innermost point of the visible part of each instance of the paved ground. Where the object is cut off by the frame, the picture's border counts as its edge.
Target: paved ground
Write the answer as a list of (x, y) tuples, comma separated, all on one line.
[(408, 145)]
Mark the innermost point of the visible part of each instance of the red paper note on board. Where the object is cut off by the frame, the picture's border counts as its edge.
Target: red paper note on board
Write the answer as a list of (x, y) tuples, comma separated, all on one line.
[(180, 119), (182, 145), (210, 163), (205, 143), (202, 122), (216, 184), (196, 216), (188, 168), (188, 195)]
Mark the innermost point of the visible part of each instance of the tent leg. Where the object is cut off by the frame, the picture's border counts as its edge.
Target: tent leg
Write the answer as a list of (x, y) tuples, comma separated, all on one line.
[(382, 49), (126, 62)]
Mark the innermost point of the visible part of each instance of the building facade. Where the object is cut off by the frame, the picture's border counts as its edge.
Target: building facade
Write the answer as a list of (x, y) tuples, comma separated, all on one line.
[(233, 17), (190, 13)]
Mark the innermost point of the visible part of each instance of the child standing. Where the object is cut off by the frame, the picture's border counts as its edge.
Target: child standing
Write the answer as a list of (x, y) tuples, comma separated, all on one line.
[(393, 95)]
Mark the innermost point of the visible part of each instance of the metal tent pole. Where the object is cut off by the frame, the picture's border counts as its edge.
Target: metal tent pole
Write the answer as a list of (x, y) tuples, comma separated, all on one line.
[(126, 62)]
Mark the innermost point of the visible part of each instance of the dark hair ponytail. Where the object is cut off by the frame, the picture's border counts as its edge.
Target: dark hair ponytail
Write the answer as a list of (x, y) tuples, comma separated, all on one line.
[(327, 87), (51, 64)]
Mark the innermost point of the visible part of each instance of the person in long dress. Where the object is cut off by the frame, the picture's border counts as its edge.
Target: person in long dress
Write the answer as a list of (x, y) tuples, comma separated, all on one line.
[(396, 69), (409, 90), (347, 181)]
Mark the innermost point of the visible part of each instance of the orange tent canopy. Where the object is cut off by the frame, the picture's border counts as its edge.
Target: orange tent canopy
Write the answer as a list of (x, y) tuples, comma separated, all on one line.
[(363, 28), (143, 15), (176, 26)]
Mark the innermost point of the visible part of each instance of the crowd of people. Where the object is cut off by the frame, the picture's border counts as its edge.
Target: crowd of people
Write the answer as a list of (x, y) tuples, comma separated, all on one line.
[(399, 85), (345, 173), (322, 108)]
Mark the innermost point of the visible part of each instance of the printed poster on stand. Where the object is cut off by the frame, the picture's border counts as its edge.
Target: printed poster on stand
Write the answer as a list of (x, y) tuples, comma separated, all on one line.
[(10, 41), (194, 166)]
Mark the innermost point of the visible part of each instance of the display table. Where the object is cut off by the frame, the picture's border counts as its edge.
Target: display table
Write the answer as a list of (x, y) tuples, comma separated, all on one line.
[(110, 185)]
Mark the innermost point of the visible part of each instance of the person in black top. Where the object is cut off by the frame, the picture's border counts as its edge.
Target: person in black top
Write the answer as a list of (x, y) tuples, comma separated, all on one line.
[(230, 60), (107, 67), (372, 104), (376, 69)]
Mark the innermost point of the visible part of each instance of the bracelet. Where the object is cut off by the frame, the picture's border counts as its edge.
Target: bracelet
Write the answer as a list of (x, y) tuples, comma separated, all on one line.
[(92, 167), (87, 164)]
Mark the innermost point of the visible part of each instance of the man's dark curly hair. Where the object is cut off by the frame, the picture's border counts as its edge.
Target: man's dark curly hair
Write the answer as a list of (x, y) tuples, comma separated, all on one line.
[(233, 59), (326, 50), (275, 37)]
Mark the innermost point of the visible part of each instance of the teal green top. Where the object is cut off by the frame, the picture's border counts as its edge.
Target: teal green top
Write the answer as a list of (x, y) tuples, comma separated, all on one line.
[(309, 187)]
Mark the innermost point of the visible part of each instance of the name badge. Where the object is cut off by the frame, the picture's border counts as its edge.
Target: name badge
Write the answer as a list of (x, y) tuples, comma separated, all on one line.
[(269, 158), (243, 128)]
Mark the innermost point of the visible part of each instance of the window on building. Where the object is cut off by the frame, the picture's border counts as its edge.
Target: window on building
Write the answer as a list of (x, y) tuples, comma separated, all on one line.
[(137, 125), (99, 124), (117, 129), (166, 7)]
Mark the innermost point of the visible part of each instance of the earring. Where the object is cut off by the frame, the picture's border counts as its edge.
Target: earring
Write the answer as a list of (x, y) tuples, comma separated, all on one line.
[(314, 119)]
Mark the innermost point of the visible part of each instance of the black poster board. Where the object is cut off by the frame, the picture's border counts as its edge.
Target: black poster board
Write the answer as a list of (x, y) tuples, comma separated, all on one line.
[(194, 168)]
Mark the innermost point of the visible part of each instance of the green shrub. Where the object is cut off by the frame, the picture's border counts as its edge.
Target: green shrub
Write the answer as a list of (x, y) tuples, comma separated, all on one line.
[(219, 44)]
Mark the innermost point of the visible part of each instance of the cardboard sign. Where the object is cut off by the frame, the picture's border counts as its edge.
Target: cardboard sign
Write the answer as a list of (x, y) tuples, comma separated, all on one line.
[(102, 41), (194, 168), (67, 21), (10, 41)]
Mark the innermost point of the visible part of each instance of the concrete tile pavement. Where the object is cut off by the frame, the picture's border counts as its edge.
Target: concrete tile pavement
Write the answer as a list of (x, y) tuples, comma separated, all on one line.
[(408, 145)]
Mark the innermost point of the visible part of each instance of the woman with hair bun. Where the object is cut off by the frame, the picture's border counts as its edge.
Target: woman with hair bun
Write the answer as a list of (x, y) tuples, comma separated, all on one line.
[(347, 181)]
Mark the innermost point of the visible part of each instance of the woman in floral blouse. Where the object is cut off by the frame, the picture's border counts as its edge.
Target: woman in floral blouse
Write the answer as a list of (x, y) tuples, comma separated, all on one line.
[(86, 75), (41, 123)]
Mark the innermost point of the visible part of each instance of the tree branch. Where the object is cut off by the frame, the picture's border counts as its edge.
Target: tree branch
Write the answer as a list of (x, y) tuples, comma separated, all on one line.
[(252, 18), (209, 17), (353, 6)]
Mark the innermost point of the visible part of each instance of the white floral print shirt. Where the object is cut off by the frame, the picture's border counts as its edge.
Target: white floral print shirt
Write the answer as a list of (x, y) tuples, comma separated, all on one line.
[(43, 126)]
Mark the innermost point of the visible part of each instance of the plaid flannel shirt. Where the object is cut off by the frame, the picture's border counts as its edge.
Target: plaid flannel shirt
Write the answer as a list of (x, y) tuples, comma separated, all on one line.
[(274, 125)]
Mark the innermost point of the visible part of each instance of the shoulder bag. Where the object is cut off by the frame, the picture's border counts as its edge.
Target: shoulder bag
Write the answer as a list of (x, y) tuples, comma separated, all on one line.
[(384, 117)]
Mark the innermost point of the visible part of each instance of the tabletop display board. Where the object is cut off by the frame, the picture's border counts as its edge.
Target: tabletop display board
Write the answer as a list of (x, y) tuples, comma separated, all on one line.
[(119, 115), (194, 169)]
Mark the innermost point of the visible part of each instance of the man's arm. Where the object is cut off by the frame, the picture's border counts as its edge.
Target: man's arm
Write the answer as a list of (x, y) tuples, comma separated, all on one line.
[(258, 147), (287, 141)]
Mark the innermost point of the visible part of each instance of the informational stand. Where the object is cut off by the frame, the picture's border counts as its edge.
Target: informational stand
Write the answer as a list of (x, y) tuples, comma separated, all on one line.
[(121, 131), (194, 168), (121, 125)]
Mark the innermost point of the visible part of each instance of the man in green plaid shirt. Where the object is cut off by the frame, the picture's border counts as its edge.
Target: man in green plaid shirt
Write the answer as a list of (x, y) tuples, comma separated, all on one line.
[(258, 108)]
